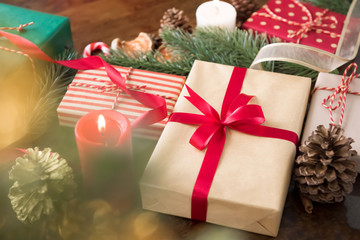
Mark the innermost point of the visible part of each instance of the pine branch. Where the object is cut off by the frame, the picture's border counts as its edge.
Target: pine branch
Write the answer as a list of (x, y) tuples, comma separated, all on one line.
[(52, 84), (152, 61), (235, 48), (339, 6)]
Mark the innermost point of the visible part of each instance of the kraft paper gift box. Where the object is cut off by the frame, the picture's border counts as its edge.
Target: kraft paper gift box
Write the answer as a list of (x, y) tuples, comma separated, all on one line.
[(286, 20), (251, 182), (17, 81), (81, 99), (319, 115)]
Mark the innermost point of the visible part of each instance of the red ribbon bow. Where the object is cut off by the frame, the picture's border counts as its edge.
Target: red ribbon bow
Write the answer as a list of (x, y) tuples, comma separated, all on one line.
[(237, 114), (158, 104)]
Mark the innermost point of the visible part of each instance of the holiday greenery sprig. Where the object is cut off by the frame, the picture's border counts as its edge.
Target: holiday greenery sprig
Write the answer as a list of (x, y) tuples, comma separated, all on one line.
[(339, 6), (52, 82), (235, 48)]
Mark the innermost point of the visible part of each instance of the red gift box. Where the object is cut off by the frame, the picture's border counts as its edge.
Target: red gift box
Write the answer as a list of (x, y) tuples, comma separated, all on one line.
[(296, 22), (93, 90)]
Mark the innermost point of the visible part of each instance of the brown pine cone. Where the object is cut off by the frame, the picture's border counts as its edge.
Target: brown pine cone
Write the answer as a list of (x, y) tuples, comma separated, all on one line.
[(325, 171), (175, 18), (244, 9)]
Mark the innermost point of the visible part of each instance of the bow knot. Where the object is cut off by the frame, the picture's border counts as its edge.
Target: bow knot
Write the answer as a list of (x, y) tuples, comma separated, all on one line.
[(305, 27), (342, 90), (19, 28), (311, 24), (237, 114)]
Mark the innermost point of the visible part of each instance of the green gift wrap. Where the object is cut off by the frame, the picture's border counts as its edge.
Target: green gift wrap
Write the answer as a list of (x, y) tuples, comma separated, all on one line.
[(17, 81), (49, 32)]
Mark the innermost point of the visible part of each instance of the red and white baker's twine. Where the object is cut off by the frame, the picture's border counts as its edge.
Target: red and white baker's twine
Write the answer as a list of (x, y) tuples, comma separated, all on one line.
[(342, 90), (308, 26), (96, 46), (19, 28), (110, 87)]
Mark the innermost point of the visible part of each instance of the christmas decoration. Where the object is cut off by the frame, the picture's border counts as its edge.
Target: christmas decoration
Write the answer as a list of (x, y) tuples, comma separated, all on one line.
[(53, 81), (91, 85), (244, 9), (19, 73), (216, 14), (240, 174), (141, 44), (44, 32), (325, 171), (42, 181), (297, 22), (236, 48), (175, 18), (156, 40), (167, 53), (96, 46)]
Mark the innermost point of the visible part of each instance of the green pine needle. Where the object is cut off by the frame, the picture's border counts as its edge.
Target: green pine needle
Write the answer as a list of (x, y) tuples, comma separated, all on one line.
[(151, 61), (52, 84), (236, 48), (339, 6)]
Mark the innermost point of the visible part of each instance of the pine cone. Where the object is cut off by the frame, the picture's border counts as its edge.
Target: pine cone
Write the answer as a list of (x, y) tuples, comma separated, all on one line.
[(156, 39), (244, 9), (42, 179), (325, 171), (174, 18)]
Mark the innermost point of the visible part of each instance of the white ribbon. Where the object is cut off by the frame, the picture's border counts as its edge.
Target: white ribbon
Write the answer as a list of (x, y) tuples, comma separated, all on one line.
[(315, 58)]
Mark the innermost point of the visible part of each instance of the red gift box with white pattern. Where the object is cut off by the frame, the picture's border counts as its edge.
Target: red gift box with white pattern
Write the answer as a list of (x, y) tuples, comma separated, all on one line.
[(92, 90), (292, 21)]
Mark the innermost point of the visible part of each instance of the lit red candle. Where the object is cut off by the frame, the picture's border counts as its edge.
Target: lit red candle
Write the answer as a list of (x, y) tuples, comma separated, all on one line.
[(105, 150)]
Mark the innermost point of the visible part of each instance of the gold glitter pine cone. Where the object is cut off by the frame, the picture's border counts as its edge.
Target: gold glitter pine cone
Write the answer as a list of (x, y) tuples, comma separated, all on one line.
[(325, 171)]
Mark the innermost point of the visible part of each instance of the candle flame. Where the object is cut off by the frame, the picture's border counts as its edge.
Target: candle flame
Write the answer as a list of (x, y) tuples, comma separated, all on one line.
[(101, 124)]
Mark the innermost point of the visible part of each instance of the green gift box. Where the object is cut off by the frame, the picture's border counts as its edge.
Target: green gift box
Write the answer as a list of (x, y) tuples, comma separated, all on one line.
[(17, 80), (49, 32)]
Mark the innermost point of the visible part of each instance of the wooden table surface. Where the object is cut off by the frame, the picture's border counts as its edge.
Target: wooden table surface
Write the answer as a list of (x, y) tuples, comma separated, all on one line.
[(100, 20)]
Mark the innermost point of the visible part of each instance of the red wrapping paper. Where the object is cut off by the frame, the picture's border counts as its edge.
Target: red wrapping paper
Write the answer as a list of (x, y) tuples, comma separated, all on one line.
[(324, 35)]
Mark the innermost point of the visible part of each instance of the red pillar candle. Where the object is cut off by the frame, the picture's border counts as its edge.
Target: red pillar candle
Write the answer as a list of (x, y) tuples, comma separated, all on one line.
[(105, 150)]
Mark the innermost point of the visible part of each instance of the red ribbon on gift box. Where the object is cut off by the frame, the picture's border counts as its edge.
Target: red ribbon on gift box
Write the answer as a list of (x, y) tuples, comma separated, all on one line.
[(156, 103), (237, 114), (310, 25)]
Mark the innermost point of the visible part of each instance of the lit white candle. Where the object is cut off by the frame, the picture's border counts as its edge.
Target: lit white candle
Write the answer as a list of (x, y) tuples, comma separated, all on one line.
[(216, 13)]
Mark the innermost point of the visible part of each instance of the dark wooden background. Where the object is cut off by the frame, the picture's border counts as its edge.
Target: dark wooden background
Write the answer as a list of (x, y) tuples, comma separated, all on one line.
[(104, 20)]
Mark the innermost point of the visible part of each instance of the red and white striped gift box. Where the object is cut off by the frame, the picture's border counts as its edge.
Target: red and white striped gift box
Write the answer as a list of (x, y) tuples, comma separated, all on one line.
[(80, 99)]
